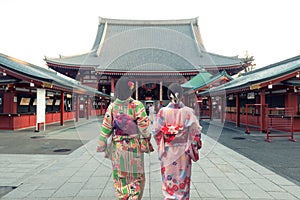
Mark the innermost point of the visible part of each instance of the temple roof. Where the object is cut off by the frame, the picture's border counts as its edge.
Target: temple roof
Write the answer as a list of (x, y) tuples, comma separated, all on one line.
[(198, 80), (283, 72), (204, 79), (20, 69), (146, 45)]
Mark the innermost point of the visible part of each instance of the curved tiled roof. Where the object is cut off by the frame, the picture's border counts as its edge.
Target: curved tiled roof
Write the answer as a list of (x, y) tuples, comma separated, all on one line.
[(264, 75), (151, 45), (25, 69), (198, 80), (203, 79)]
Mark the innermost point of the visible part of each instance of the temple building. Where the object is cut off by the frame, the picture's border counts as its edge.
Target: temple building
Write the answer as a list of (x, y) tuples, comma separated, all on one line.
[(266, 99), (153, 53), (203, 82), (31, 96)]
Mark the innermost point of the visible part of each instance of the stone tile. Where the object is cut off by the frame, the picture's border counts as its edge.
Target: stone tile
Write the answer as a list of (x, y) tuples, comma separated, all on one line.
[(238, 165), (224, 184), (194, 194), (35, 198), (279, 180), (52, 184), (234, 194), (86, 198), (250, 173), (205, 163), (208, 190), (41, 178), (146, 193), (155, 190), (282, 196), (96, 182), (78, 179), (102, 171), (12, 175), (267, 185), (293, 189), (89, 193), (8, 181), (16, 194), (68, 190), (199, 177), (238, 178), (155, 177), (262, 170), (108, 193), (218, 161), (30, 187), (226, 168), (67, 172), (253, 191), (41, 193), (214, 172)]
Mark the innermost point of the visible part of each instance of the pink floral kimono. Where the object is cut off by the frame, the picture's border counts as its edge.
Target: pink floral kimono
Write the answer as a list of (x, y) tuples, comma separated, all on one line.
[(176, 130)]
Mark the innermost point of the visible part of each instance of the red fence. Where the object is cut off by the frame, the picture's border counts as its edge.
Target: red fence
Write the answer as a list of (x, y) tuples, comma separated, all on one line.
[(281, 122)]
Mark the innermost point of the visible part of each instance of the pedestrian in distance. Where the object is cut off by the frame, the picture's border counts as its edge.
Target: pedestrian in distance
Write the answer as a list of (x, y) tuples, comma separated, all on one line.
[(126, 124), (178, 136), (151, 113)]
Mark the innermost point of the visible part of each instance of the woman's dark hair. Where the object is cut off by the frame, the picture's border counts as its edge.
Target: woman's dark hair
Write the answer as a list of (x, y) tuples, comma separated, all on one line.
[(123, 90), (172, 90)]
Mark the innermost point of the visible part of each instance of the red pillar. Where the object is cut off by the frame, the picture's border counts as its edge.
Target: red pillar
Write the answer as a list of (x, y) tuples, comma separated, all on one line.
[(112, 86), (262, 110), (222, 111), (210, 107), (77, 108), (62, 108), (88, 107), (9, 103), (290, 101), (101, 105), (238, 117)]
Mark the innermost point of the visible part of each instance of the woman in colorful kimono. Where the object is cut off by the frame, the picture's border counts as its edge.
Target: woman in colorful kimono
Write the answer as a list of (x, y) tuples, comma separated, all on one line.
[(128, 148), (178, 136)]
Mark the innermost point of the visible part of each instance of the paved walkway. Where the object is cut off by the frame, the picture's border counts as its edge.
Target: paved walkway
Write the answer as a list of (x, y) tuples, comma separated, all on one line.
[(84, 174)]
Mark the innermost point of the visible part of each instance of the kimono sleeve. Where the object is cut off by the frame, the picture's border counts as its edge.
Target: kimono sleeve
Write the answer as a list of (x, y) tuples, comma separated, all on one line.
[(106, 127), (158, 134), (142, 120), (195, 130)]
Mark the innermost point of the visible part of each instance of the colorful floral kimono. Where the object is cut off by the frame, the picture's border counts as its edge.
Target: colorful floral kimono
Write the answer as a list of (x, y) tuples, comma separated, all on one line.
[(175, 129), (127, 153)]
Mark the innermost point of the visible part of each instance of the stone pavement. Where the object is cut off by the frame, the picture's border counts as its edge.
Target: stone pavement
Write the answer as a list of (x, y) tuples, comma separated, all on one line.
[(84, 174)]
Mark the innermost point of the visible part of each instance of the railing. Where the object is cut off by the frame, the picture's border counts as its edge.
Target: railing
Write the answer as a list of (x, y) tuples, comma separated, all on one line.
[(281, 122)]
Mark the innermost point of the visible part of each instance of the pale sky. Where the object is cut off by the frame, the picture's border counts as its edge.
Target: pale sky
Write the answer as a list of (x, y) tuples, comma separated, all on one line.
[(268, 30)]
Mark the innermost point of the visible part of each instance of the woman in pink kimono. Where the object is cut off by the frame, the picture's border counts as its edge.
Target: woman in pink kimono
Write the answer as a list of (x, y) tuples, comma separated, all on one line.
[(178, 136)]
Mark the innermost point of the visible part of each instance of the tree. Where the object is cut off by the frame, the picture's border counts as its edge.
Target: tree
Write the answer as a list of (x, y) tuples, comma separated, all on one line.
[(247, 63)]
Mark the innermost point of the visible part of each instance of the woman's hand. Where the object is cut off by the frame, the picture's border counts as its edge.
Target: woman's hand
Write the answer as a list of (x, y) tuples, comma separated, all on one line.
[(101, 146)]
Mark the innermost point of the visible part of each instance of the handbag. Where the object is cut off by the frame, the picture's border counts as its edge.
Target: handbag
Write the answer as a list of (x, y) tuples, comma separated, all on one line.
[(109, 147), (193, 150), (145, 145)]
